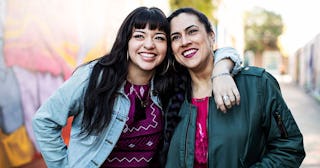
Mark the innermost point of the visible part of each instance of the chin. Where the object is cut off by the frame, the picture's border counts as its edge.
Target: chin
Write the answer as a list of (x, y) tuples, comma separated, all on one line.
[(148, 68)]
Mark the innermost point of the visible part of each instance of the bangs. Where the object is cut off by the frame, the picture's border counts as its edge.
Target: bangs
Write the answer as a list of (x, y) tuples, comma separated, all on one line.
[(153, 18)]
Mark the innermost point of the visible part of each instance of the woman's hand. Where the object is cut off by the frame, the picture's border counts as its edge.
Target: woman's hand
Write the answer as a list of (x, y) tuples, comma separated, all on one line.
[(225, 91)]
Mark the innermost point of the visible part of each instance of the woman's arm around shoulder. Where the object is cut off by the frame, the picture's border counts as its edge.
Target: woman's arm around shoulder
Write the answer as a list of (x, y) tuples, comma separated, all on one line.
[(227, 63)]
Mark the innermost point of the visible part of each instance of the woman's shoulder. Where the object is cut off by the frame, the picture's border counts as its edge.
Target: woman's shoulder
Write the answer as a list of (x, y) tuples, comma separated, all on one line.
[(258, 73), (252, 70), (83, 70), (81, 74), (86, 67)]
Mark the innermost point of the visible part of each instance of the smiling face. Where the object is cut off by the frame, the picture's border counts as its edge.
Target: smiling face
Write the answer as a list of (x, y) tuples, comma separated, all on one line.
[(190, 42), (147, 49)]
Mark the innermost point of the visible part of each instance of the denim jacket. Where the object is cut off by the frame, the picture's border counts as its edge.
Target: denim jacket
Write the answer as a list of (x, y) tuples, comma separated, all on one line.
[(67, 101)]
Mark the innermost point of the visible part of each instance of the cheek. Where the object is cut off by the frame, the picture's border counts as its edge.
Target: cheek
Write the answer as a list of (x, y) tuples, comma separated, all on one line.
[(174, 49), (134, 45), (207, 46), (130, 48), (178, 59), (164, 49)]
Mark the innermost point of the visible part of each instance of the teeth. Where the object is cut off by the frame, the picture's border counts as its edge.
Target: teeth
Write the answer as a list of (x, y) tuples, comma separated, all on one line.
[(189, 52), (147, 55)]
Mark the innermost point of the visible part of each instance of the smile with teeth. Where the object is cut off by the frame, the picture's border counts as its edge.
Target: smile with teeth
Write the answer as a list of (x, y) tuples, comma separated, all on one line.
[(148, 55), (189, 53)]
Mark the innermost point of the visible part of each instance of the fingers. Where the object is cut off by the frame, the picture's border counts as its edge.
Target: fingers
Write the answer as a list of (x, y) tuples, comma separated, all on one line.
[(236, 94), (224, 86), (228, 100), (220, 104), (231, 98)]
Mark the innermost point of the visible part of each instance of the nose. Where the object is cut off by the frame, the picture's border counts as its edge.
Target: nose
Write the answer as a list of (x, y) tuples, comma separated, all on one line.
[(185, 40), (149, 43)]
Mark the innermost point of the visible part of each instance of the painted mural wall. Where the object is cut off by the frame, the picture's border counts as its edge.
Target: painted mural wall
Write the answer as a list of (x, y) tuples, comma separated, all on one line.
[(41, 44)]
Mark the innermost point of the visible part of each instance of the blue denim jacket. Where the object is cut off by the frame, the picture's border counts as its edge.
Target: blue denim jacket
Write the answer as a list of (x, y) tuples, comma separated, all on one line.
[(67, 101)]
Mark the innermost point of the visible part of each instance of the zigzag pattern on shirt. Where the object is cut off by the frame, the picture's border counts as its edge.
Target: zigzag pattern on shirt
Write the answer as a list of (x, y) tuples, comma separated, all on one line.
[(154, 123), (129, 160)]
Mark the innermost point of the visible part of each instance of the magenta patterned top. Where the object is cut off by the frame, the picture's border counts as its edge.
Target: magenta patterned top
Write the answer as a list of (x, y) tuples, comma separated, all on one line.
[(201, 144), (140, 137)]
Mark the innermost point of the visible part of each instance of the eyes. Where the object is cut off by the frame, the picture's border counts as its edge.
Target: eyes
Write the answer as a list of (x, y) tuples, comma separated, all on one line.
[(177, 36), (139, 35)]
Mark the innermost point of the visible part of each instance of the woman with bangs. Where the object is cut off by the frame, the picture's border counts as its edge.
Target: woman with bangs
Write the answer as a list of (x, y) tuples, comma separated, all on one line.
[(118, 100)]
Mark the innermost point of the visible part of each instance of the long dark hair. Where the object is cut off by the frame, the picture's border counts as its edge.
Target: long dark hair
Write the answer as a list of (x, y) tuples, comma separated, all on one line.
[(182, 86), (111, 70)]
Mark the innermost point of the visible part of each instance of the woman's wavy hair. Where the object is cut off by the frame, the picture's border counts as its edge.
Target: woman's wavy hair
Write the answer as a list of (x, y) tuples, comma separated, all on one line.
[(111, 70), (182, 86)]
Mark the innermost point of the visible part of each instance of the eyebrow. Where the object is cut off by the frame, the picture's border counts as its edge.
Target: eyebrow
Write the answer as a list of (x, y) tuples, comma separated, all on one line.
[(187, 28), (140, 31), (163, 33)]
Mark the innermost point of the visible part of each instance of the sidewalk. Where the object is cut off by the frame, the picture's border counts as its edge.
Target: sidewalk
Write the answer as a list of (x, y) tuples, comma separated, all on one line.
[(306, 110)]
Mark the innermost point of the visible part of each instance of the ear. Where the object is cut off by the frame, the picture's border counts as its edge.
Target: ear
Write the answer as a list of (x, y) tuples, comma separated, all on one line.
[(212, 38), (212, 35)]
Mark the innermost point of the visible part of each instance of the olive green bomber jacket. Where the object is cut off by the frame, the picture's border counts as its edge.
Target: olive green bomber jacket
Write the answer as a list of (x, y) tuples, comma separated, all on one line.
[(260, 132)]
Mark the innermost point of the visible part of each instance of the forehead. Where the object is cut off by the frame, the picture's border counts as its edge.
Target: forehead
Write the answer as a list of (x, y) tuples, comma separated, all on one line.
[(183, 21)]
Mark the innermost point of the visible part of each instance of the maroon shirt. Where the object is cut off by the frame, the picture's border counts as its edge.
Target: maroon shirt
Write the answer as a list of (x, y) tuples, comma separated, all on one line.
[(138, 142)]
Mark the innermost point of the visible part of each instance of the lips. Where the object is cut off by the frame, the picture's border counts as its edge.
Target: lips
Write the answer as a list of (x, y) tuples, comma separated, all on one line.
[(147, 56), (189, 53)]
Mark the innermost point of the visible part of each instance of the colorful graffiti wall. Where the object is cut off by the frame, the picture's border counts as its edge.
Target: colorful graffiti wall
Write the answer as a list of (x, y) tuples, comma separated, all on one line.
[(41, 42)]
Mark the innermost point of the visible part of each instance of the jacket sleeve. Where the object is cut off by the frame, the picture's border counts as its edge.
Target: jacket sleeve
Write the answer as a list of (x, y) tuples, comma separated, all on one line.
[(52, 116), (232, 54), (284, 139)]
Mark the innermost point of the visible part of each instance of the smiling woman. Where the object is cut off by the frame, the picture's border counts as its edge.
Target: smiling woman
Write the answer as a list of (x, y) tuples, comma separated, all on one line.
[(147, 49), (190, 42), (260, 132)]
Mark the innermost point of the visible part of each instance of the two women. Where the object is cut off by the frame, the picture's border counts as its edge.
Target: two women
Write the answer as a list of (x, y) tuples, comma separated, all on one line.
[(260, 132), (117, 101)]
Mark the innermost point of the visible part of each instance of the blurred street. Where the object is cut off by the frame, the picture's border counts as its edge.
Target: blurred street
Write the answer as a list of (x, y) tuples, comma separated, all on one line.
[(306, 111)]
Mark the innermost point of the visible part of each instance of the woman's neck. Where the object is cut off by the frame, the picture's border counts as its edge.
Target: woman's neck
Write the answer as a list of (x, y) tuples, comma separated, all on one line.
[(201, 89), (139, 77), (201, 81)]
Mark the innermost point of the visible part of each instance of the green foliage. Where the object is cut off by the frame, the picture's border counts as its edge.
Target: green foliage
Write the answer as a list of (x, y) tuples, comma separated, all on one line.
[(205, 6), (262, 29)]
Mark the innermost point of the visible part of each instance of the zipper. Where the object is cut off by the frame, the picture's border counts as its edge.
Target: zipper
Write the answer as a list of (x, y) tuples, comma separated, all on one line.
[(207, 155), (282, 128), (207, 124), (185, 144)]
